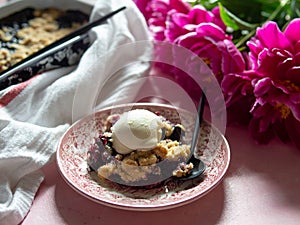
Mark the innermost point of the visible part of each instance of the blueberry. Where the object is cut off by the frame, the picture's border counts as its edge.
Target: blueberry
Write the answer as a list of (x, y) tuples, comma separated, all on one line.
[(177, 133)]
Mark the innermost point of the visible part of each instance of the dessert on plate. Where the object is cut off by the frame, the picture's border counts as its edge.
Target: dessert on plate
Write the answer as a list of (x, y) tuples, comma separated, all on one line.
[(139, 147)]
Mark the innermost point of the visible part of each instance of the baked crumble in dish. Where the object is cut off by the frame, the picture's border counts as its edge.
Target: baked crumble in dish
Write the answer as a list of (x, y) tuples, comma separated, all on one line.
[(139, 147), (29, 30)]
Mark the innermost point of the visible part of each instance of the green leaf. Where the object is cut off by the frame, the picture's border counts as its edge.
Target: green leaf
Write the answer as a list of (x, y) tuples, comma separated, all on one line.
[(226, 18), (254, 11)]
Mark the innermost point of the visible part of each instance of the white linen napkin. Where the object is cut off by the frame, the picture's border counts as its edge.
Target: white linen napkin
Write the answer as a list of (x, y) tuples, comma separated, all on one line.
[(34, 114)]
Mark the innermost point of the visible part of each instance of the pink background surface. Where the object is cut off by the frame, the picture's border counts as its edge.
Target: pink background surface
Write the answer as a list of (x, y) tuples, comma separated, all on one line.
[(261, 187)]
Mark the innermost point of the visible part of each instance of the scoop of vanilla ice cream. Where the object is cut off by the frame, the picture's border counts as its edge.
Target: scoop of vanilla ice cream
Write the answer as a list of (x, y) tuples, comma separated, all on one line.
[(136, 129)]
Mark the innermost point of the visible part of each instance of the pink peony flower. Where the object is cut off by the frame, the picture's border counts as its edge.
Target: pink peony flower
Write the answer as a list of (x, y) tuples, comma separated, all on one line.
[(143, 7), (214, 46), (178, 24), (272, 81), (197, 29), (156, 12), (261, 86)]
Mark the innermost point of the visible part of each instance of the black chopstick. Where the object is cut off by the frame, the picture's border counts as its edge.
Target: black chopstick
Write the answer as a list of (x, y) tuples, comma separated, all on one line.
[(82, 30)]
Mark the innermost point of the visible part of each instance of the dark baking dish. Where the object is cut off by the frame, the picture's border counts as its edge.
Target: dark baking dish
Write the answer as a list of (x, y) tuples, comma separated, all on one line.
[(68, 56)]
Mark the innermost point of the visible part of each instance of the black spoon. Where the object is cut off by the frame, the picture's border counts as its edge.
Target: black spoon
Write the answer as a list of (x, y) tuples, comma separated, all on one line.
[(199, 165)]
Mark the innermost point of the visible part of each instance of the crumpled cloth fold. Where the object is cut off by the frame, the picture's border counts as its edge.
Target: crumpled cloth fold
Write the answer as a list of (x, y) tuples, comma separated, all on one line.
[(35, 114)]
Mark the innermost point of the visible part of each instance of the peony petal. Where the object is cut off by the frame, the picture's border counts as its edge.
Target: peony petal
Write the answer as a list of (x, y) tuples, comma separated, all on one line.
[(297, 47), (200, 15), (268, 62), (179, 19), (297, 56), (217, 18), (295, 108), (283, 68), (292, 30), (175, 25), (180, 6), (271, 37), (190, 41), (143, 7), (260, 137), (293, 74), (160, 8), (211, 31), (262, 86), (232, 59), (295, 98), (255, 46)]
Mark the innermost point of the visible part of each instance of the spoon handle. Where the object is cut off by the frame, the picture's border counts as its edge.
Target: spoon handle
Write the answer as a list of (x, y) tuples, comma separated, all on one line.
[(198, 122)]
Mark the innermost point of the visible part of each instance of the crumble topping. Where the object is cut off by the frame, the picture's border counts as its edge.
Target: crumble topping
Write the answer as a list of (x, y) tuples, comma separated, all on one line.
[(142, 164)]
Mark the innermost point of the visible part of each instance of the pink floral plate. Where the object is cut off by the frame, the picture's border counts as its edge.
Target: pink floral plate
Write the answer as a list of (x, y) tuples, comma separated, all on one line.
[(212, 148)]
